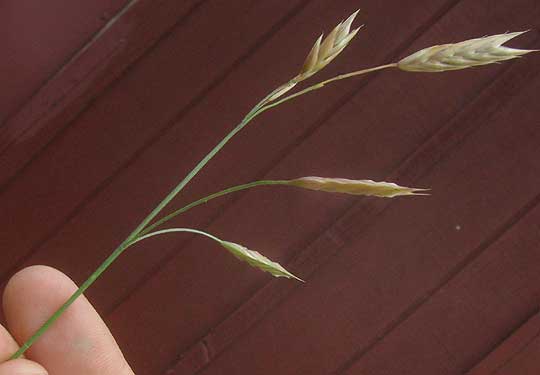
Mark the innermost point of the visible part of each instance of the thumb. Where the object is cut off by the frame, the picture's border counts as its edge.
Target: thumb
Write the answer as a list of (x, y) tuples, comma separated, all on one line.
[(21, 367)]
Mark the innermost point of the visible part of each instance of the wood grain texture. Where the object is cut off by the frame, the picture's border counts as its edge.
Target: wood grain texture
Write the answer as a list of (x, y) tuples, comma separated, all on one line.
[(377, 280), (519, 353), (164, 150), (129, 128), (472, 313), (37, 39), (173, 146), (123, 40), (66, 173), (362, 215)]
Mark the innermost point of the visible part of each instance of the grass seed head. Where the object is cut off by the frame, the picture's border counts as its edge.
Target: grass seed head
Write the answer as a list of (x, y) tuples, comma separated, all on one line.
[(355, 187), (257, 260), (325, 50), (462, 55)]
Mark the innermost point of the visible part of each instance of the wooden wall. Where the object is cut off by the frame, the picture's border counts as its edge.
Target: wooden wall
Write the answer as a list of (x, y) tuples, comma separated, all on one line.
[(107, 104)]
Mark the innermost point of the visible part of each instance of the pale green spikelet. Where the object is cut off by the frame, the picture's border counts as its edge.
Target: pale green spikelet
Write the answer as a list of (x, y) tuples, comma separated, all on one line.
[(462, 55), (325, 50), (258, 260)]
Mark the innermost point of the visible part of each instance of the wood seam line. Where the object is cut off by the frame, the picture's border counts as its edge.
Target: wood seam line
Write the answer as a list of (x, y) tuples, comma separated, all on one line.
[(454, 272), (60, 132), (517, 354), (330, 233), (70, 59), (287, 150), (342, 236), (502, 341), (101, 186)]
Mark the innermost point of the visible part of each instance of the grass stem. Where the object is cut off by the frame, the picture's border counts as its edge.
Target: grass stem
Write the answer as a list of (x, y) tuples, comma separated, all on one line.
[(142, 231)]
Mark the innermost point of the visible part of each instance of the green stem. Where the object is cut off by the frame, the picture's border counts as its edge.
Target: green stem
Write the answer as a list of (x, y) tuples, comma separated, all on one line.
[(261, 107), (323, 83), (71, 299), (133, 235), (173, 230), (208, 198)]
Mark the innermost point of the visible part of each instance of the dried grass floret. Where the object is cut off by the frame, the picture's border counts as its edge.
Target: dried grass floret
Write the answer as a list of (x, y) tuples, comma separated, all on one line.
[(355, 187), (462, 55), (327, 49)]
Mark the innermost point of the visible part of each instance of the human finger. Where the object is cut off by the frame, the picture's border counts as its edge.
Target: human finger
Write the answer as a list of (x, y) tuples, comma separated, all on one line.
[(21, 367), (79, 342), (8, 345)]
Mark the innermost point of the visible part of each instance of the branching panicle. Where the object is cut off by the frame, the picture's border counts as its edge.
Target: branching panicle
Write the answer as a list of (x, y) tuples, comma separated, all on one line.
[(473, 52)]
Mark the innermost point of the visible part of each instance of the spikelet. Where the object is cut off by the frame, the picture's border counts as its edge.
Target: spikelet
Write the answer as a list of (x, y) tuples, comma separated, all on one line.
[(472, 52), (325, 50), (355, 187), (321, 54), (257, 260)]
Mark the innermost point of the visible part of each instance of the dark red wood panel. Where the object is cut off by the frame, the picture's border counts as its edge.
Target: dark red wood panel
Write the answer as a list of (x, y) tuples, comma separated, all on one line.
[(128, 36), (526, 363), (38, 38), (395, 263), (172, 146), (519, 353), (184, 73), (274, 231), (107, 135), (472, 313)]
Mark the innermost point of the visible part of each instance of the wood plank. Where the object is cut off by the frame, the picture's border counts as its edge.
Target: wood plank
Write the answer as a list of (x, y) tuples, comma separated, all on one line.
[(472, 313), (49, 191), (37, 40), (368, 288), (171, 147), (134, 196), (124, 39), (365, 168), (519, 353), (526, 363), (283, 238)]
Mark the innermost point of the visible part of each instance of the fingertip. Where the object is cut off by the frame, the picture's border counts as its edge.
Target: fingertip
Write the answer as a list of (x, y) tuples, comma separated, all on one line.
[(8, 345), (32, 291), (22, 367)]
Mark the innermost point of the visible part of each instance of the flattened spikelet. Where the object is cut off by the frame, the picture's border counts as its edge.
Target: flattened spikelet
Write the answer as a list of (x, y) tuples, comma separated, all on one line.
[(462, 55), (325, 50), (258, 260), (355, 187)]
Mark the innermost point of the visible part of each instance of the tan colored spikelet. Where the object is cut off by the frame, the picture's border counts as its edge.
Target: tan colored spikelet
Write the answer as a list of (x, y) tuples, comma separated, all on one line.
[(258, 260), (462, 55), (325, 50), (355, 187), (321, 54)]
